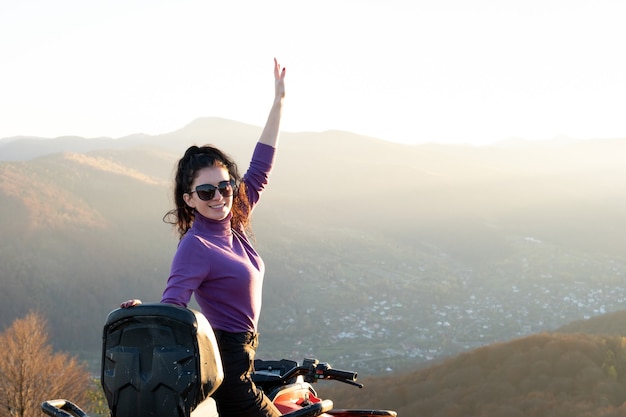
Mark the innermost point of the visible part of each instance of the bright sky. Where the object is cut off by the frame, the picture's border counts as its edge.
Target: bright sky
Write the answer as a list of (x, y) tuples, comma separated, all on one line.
[(417, 71)]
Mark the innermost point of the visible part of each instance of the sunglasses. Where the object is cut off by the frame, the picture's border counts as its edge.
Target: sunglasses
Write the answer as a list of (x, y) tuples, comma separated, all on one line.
[(206, 192)]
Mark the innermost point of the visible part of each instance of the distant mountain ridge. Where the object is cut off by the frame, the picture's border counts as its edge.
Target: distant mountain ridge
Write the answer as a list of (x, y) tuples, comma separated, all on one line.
[(26, 147), (408, 252)]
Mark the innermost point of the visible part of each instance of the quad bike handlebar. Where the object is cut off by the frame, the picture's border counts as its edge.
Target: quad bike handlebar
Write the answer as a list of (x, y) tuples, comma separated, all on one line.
[(62, 408), (312, 370)]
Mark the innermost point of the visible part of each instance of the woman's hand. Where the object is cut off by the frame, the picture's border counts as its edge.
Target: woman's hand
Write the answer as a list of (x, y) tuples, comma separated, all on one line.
[(269, 136), (130, 303), (279, 78)]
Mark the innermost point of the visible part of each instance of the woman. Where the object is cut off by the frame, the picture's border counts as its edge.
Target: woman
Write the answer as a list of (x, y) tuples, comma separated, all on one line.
[(215, 260)]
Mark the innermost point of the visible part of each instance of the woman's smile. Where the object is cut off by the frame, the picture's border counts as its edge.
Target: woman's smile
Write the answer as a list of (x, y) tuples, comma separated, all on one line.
[(219, 206)]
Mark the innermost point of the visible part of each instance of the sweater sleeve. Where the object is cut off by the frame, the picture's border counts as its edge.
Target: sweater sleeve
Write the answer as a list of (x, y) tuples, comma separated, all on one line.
[(188, 270), (256, 178)]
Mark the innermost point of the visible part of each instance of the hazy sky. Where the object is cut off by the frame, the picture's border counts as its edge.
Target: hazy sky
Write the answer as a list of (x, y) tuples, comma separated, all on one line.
[(403, 70)]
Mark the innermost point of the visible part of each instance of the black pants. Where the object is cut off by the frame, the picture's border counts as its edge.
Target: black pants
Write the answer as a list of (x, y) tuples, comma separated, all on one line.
[(238, 396)]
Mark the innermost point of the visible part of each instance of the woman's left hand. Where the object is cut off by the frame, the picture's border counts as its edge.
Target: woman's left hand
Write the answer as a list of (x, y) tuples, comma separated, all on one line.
[(279, 78)]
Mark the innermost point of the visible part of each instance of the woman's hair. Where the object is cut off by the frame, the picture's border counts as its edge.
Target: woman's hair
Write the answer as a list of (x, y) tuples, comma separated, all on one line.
[(195, 159)]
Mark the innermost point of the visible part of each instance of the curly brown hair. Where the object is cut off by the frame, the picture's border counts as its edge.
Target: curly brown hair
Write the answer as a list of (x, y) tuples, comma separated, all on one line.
[(195, 159)]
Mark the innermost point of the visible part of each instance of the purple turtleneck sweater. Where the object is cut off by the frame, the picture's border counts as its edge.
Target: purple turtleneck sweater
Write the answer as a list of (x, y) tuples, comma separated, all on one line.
[(219, 265)]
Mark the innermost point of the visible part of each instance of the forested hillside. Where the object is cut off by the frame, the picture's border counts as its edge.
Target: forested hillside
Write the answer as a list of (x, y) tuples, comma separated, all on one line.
[(379, 256), (551, 375)]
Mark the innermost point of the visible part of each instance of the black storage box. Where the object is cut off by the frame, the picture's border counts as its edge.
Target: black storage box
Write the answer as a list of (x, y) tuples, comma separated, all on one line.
[(159, 360)]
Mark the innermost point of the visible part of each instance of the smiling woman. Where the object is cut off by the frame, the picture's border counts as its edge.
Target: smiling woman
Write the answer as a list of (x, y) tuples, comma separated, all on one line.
[(215, 260)]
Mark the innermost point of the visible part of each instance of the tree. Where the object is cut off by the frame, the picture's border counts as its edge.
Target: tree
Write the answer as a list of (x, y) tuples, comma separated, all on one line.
[(30, 372)]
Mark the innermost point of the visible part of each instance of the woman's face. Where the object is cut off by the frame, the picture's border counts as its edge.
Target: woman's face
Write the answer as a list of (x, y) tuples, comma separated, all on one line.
[(218, 207)]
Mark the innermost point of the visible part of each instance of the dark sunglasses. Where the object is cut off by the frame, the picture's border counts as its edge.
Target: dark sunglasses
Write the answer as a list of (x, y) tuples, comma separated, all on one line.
[(206, 192)]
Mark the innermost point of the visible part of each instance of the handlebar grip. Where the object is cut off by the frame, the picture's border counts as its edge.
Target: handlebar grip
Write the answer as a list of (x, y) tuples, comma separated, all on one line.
[(59, 403), (339, 374), (62, 408)]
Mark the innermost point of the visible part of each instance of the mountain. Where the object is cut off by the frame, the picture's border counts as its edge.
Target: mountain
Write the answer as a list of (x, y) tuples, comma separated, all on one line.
[(209, 129), (577, 370), (548, 374), (378, 255)]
